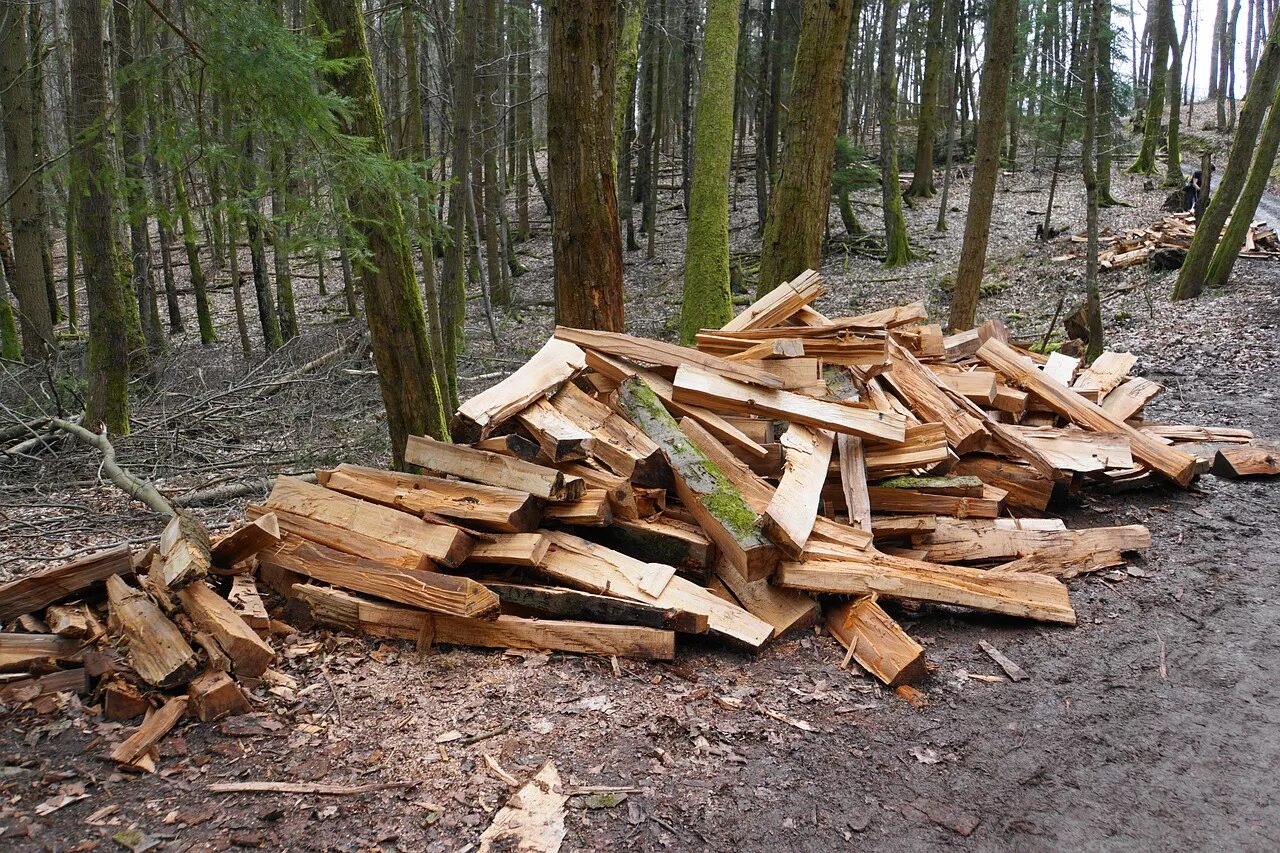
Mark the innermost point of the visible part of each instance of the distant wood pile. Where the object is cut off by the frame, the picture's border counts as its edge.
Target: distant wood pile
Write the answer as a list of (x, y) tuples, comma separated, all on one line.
[(616, 492), (1174, 232)]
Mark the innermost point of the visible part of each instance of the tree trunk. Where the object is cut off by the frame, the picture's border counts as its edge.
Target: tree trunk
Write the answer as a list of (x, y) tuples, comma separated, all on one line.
[(897, 250), (1154, 114), (27, 280), (798, 210), (934, 56), (105, 273), (586, 241), (707, 300), (763, 178), (996, 67), (281, 233), (1173, 160), (1192, 276), (523, 25), (1093, 310), (397, 324)]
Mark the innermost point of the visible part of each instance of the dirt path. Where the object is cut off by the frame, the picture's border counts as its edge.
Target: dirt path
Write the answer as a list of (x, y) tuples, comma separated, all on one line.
[(1150, 725)]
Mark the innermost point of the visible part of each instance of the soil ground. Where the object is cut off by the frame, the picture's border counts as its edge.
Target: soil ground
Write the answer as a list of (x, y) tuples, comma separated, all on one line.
[(1152, 724)]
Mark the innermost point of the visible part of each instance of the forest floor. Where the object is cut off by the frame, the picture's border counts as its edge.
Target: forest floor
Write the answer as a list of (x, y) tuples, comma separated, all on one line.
[(1150, 724)]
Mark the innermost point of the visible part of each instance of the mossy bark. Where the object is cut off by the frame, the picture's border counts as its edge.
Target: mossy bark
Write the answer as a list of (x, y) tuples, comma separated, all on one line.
[(10, 343), (1173, 146), (707, 302), (204, 317), (897, 251), (27, 277), (628, 60), (106, 275), (922, 181), (996, 69), (802, 196), (586, 241), (280, 237), (1192, 276), (393, 306), (1154, 115)]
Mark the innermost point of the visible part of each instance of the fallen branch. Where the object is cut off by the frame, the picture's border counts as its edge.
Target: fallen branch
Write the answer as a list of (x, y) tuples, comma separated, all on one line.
[(132, 485), (349, 345), (304, 788), (230, 491)]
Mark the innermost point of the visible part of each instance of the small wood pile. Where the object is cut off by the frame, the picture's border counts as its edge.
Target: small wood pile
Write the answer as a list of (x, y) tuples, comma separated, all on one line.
[(1173, 231), (615, 492)]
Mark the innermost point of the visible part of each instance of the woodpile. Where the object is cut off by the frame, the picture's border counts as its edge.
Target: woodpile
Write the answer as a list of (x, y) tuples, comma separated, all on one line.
[(1170, 235), (616, 492)]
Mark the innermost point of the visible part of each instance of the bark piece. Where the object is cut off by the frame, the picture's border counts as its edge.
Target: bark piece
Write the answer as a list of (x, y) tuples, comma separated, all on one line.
[(157, 650), (878, 643), (37, 591)]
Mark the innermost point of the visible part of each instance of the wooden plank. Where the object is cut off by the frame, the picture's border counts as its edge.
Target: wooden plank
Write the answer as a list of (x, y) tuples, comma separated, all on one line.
[(717, 506), (560, 439), (244, 542), (340, 609), (214, 615), (444, 544), (1077, 450), (347, 541), (912, 501), (1172, 463), (704, 389), (554, 364), (475, 505), (151, 732), (593, 510), (877, 642), (592, 567), (1013, 594), (925, 395), (157, 650), (1246, 461), (510, 549), (972, 541), (1107, 371), (853, 481), (427, 590), (1130, 397), (720, 427), (184, 551), (19, 652), (779, 303), (590, 607), (493, 469), (37, 591), (664, 354), (784, 609), (617, 442), (791, 512)]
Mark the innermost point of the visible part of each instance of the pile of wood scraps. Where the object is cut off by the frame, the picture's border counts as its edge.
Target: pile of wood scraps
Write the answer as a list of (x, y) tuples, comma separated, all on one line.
[(615, 493), (1173, 231)]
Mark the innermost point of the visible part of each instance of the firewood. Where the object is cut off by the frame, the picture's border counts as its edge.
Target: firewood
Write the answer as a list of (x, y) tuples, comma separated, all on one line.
[(151, 732), (347, 541), (1128, 398), (592, 510), (28, 689), (20, 651), (715, 503), (704, 389), (339, 609), (443, 544), (784, 609), (241, 544), (1027, 488), (663, 354), (956, 486), (765, 351), (925, 446), (184, 551), (622, 495), (853, 481), (157, 650), (792, 511), (492, 469), (914, 501), (1078, 450), (1175, 465), (214, 615), (1246, 461), (247, 603), (558, 437), (428, 590), (37, 591), (214, 695), (849, 351), (122, 701), (924, 393), (969, 541), (511, 444), (472, 504), (617, 443), (980, 387), (895, 526), (779, 303), (549, 368), (1107, 371), (73, 621), (877, 643), (590, 607), (510, 549), (659, 540)]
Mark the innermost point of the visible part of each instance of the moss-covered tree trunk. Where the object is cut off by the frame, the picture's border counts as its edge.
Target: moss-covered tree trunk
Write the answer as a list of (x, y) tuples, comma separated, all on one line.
[(522, 25), (1194, 272), (707, 301), (934, 56), (996, 68), (27, 279), (1097, 13), (586, 242), (393, 307), (897, 251), (280, 251), (1173, 146), (105, 272), (1154, 115), (628, 64), (802, 196), (35, 37)]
